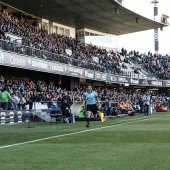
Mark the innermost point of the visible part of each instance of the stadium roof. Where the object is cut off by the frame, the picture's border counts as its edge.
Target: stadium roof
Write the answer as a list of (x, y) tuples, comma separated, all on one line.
[(106, 16)]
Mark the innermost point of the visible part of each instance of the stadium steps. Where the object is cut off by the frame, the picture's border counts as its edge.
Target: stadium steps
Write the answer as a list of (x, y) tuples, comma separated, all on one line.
[(131, 67), (142, 74)]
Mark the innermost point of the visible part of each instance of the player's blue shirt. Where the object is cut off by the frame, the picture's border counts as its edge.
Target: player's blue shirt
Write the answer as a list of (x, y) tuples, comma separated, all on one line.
[(90, 97)]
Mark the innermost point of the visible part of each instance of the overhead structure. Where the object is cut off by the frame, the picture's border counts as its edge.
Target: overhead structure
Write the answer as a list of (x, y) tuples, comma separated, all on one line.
[(107, 16), (156, 31)]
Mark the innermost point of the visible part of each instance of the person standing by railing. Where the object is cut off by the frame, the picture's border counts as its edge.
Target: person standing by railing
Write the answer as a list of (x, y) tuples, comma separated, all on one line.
[(4, 97), (141, 105), (66, 97), (146, 99)]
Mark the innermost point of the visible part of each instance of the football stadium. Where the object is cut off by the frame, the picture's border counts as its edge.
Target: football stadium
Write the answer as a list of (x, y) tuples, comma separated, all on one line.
[(70, 99)]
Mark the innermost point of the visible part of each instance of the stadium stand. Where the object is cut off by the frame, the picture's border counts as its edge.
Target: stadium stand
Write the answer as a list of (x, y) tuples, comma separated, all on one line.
[(42, 96), (157, 65), (38, 43)]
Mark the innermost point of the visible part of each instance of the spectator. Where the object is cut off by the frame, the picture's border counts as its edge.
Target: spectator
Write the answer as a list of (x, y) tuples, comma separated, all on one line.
[(146, 99), (16, 100), (75, 88), (66, 111), (4, 97), (67, 98)]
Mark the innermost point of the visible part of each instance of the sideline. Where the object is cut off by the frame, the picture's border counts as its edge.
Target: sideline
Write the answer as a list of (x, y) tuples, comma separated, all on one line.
[(83, 131)]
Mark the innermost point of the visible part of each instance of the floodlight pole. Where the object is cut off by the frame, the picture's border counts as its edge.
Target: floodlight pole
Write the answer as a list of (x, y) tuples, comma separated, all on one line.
[(156, 33)]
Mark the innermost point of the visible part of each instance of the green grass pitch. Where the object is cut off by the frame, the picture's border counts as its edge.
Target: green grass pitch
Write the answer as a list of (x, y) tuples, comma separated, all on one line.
[(133, 143)]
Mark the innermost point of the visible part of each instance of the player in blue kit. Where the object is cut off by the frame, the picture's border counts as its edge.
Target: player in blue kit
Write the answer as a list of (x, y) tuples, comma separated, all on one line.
[(91, 103)]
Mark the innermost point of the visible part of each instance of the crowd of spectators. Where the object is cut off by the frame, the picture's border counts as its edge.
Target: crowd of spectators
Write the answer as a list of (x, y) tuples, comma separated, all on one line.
[(157, 64), (37, 42), (26, 92)]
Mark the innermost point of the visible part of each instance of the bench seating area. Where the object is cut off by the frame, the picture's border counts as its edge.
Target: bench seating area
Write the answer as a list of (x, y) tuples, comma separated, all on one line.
[(57, 115)]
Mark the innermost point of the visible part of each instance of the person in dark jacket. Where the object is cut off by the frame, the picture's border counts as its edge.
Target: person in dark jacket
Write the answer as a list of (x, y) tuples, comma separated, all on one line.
[(141, 104), (66, 110), (67, 98)]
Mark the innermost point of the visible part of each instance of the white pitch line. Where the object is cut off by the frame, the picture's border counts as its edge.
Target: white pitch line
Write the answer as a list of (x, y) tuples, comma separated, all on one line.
[(83, 131)]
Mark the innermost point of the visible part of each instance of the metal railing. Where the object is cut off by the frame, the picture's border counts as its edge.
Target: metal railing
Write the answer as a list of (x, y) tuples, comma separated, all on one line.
[(150, 74)]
